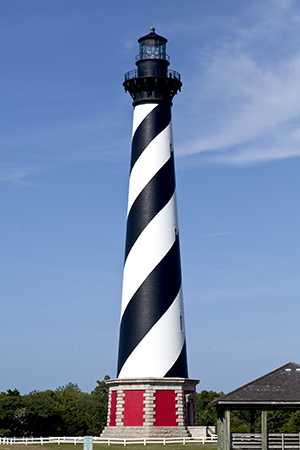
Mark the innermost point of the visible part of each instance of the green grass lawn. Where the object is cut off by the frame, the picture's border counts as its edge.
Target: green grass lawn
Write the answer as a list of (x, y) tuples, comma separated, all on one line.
[(191, 446)]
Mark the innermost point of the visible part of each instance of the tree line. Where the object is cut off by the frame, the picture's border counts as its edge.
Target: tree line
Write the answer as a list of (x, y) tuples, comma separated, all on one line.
[(68, 411)]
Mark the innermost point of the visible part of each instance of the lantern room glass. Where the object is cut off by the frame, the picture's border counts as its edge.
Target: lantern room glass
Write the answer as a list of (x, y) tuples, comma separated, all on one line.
[(152, 49)]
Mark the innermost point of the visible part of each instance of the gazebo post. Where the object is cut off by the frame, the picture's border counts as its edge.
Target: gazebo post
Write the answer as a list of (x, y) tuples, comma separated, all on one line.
[(264, 431), (227, 432), (220, 428), (223, 429)]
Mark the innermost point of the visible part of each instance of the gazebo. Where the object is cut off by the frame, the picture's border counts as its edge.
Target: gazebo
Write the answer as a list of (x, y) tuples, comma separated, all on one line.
[(277, 390)]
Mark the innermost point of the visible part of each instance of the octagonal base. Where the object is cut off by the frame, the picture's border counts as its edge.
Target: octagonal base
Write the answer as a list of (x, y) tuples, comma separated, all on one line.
[(151, 407)]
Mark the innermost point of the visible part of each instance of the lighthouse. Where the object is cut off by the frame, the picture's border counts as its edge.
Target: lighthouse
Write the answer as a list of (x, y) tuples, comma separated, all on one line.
[(152, 394)]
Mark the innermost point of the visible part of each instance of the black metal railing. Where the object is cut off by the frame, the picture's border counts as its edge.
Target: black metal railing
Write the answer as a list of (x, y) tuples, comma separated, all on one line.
[(152, 73)]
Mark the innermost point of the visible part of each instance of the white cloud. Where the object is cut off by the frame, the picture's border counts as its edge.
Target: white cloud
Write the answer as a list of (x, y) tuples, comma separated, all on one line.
[(18, 175), (224, 271), (221, 233), (247, 103)]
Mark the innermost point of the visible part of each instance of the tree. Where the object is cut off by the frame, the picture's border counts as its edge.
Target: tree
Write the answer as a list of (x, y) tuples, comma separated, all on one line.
[(99, 407), (12, 413), (207, 415), (72, 404), (65, 411), (43, 413), (281, 421)]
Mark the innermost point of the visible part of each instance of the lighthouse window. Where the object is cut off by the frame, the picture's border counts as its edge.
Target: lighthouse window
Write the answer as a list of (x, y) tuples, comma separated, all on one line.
[(180, 321)]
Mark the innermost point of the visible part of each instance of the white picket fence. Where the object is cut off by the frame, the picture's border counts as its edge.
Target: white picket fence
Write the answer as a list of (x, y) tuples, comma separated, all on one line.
[(109, 441)]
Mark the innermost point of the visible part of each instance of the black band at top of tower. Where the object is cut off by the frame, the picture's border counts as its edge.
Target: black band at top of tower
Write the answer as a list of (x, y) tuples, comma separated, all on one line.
[(152, 81)]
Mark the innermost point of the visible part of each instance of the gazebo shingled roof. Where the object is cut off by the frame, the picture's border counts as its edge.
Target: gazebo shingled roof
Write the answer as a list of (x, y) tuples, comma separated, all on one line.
[(278, 389)]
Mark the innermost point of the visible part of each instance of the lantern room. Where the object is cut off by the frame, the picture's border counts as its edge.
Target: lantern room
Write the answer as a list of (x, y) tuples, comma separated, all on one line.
[(152, 46)]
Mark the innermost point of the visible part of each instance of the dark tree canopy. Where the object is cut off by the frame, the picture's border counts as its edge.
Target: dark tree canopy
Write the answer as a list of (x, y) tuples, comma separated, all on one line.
[(207, 416), (67, 411)]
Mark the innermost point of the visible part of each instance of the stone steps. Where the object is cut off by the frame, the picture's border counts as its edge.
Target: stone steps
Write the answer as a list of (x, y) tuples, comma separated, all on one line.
[(144, 432)]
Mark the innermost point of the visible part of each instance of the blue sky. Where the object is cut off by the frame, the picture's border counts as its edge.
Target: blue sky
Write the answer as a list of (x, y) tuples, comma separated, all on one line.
[(64, 168)]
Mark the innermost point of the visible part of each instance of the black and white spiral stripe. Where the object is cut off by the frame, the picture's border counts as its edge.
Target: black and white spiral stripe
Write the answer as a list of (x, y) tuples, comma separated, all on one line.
[(152, 337)]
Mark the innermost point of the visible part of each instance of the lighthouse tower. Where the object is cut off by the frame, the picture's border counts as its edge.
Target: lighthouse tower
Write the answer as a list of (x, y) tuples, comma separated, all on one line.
[(152, 395)]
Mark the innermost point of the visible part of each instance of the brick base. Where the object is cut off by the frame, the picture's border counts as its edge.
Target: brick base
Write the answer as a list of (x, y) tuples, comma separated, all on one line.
[(160, 402)]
